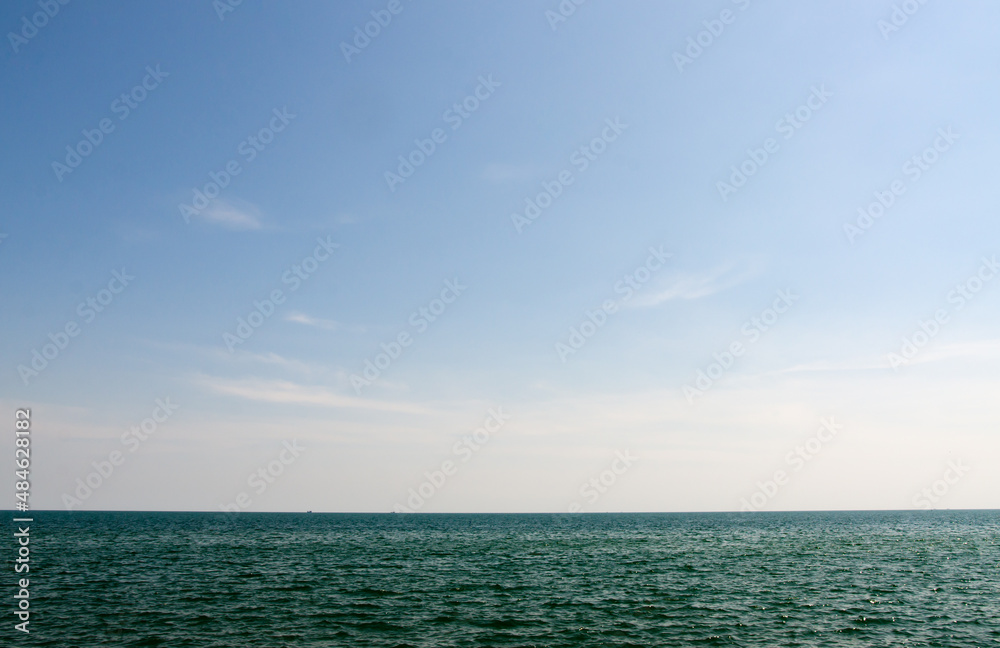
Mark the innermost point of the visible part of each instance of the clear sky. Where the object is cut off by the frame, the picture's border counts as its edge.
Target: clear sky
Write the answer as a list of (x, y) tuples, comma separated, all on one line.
[(623, 239)]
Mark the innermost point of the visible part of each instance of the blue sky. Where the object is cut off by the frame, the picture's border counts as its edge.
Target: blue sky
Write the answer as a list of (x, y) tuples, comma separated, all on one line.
[(547, 88)]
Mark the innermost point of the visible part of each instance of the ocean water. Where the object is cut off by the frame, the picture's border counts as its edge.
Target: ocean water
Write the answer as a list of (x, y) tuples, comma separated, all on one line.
[(760, 579)]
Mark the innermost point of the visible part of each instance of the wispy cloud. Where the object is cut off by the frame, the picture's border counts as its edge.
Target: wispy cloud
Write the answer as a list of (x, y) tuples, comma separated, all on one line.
[(696, 286), (287, 392), (977, 350), (270, 358), (242, 216), (827, 366), (242, 360), (302, 318)]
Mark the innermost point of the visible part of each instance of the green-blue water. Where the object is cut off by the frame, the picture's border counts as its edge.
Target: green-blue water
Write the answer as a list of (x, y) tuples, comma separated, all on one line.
[(781, 579)]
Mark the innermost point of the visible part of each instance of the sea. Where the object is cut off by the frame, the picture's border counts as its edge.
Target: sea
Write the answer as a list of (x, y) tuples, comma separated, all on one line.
[(903, 578)]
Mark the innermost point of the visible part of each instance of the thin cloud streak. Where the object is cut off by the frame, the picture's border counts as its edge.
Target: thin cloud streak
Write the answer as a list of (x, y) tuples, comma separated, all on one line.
[(226, 214), (287, 392), (978, 350), (302, 318), (696, 286)]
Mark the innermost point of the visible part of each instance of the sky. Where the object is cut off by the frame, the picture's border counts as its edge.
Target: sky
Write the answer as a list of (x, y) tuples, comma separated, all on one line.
[(501, 257)]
